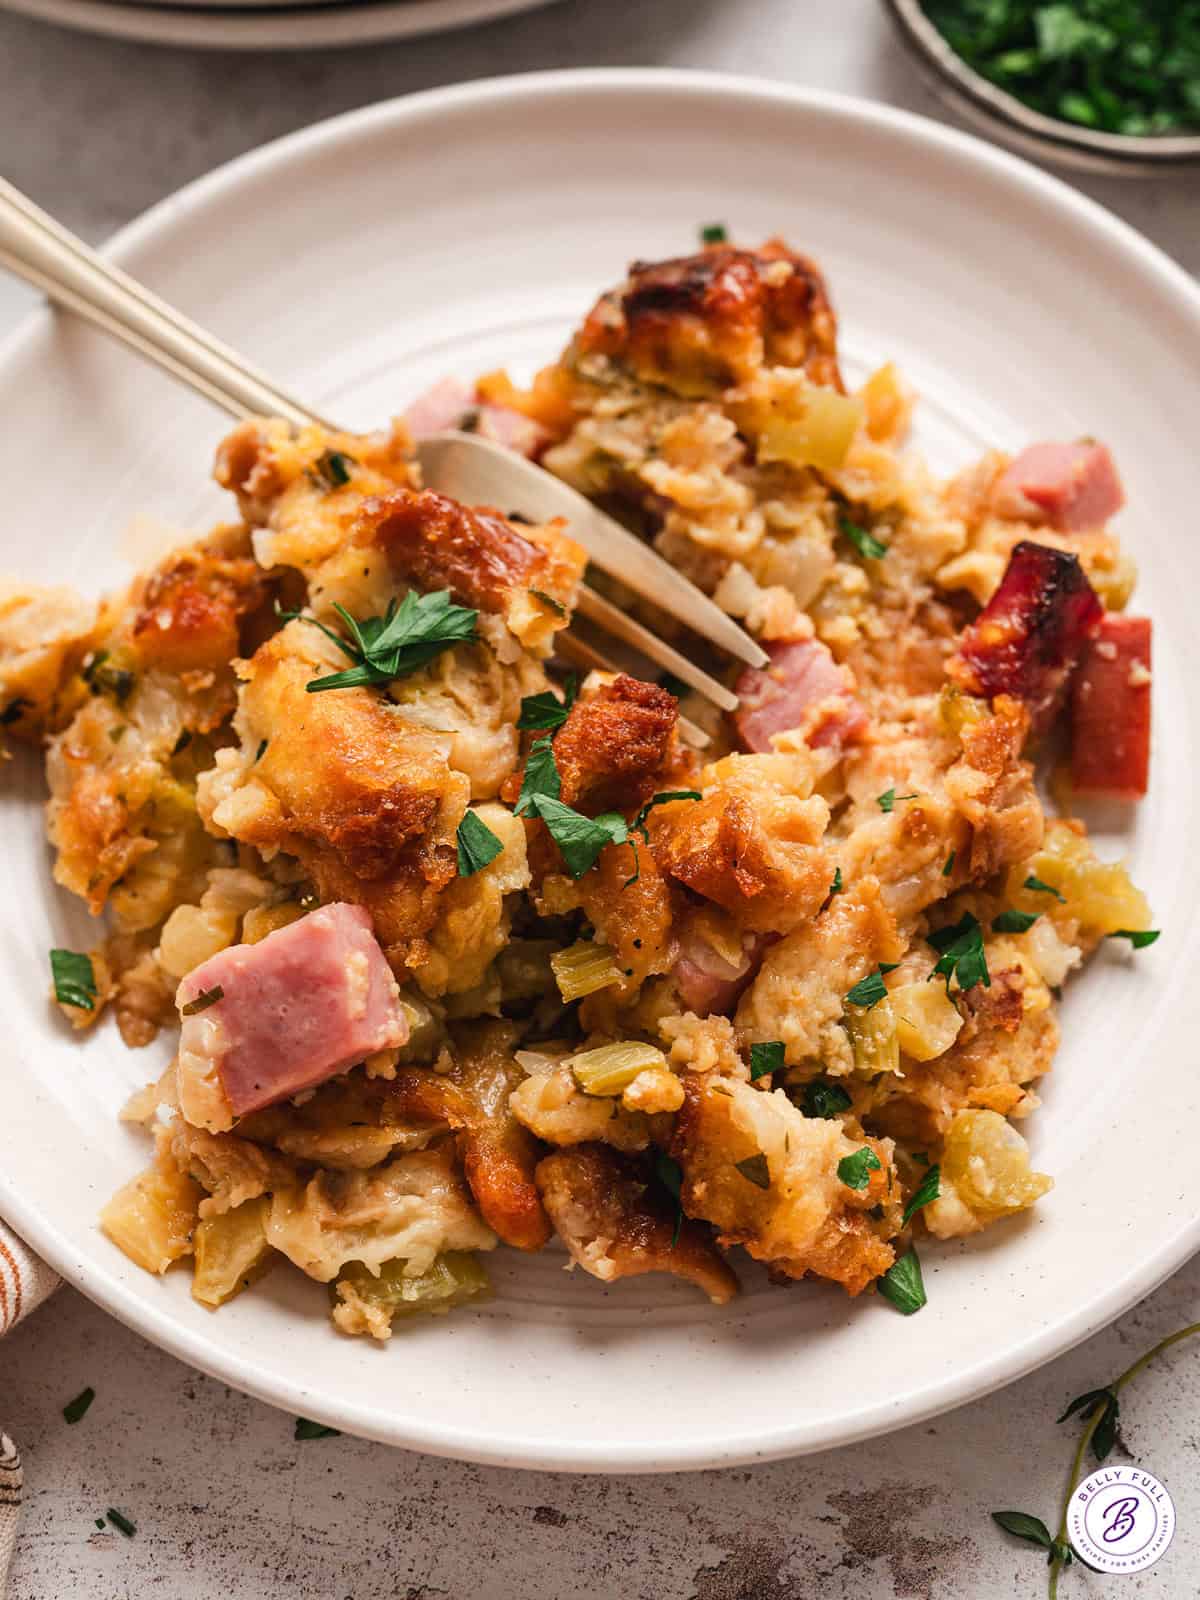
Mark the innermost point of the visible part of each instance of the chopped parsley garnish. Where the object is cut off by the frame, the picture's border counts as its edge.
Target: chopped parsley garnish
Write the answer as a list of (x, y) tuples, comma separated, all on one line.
[(867, 545), (949, 867), (755, 1170), (546, 710), (765, 1058), (1128, 67), (102, 677), (887, 800), (100, 1522), (12, 711), (824, 1099), (74, 979), (869, 991), (261, 751), (477, 845), (541, 777), (580, 838), (836, 886), (1039, 887), (1139, 938), (333, 469), (75, 1410), (1012, 921), (120, 1520), (550, 603), (206, 998), (961, 953), (929, 1188), (670, 1174), (903, 1284), (714, 233), (855, 1171), (314, 1430), (405, 638)]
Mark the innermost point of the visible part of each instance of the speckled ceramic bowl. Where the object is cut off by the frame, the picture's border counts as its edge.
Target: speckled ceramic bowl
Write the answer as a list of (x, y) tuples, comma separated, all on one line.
[(1002, 116)]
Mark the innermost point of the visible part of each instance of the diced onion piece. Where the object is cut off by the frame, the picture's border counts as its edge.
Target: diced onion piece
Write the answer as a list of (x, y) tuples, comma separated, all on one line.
[(611, 1068), (820, 437), (231, 1252), (455, 1277), (927, 1020), (583, 969), (872, 1031), (987, 1162), (152, 1217)]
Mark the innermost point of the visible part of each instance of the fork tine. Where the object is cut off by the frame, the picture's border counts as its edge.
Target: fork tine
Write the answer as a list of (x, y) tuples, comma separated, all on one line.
[(581, 654), (482, 473), (613, 620)]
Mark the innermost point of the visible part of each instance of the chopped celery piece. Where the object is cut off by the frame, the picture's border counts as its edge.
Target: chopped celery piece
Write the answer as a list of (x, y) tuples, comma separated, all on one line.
[(454, 1278), (610, 1068), (583, 969), (872, 1031)]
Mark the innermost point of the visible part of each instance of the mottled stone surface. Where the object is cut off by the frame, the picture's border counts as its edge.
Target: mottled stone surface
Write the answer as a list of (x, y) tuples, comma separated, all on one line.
[(226, 1503)]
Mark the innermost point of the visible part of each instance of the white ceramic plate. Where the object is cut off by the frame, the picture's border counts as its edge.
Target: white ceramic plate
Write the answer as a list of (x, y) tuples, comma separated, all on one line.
[(461, 229), (203, 24)]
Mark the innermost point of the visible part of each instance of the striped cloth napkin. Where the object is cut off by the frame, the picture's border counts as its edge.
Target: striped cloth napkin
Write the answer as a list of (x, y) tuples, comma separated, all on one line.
[(24, 1284)]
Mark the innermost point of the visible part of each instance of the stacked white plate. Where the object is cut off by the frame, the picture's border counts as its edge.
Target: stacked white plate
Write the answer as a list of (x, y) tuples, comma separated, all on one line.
[(268, 24)]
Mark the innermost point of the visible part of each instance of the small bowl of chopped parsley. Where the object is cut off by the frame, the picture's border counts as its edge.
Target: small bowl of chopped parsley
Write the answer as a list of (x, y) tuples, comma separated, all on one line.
[(1106, 85)]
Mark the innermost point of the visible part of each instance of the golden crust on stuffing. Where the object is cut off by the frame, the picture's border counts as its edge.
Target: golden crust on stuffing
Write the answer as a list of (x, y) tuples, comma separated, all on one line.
[(803, 1218), (798, 995), (699, 324), (498, 1153), (635, 919), (44, 635), (993, 788), (160, 674), (618, 746), (287, 486), (752, 843), (361, 795), (617, 1223), (527, 574)]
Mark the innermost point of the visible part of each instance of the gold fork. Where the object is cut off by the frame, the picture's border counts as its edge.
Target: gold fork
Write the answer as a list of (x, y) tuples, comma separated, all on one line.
[(474, 470)]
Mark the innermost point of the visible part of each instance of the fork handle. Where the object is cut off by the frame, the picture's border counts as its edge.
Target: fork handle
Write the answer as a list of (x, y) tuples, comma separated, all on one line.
[(48, 256)]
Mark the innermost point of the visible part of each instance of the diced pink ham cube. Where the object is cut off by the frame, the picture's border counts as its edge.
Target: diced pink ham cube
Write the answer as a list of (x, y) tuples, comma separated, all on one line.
[(513, 430), (440, 408), (451, 402), (307, 1002), (803, 687), (1110, 711), (1069, 486)]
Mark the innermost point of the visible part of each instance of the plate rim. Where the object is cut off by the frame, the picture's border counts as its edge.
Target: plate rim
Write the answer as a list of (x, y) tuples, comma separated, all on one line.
[(309, 25), (961, 1385)]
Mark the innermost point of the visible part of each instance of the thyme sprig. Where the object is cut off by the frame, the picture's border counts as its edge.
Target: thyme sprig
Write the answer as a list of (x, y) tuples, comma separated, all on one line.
[(1101, 1410)]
